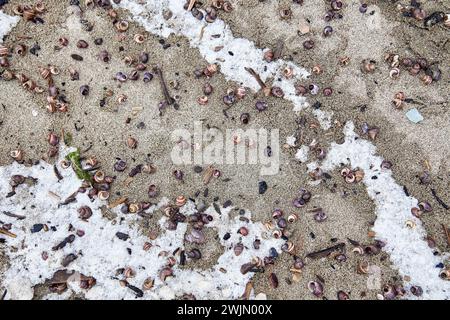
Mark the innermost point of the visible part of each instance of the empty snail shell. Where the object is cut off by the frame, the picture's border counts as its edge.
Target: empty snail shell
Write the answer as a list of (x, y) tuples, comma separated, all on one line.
[(293, 217), (139, 38), (29, 85), (129, 272), (202, 100), (20, 49), (45, 72), (134, 207), (425, 206), (53, 139), (426, 79), (317, 69), (277, 234), (103, 195), (362, 267), (17, 154), (122, 98), (122, 26), (29, 15), (389, 292), (345, 172), (238, 248), (63, 41), (148, 284), (132, 143), (4, 62), (241, 92), (350, 177), (180, 201), (394, 73), (288, 72), (343, 61), (358, 250), (8, 75), (288, 247), (99, 176), (84, 212), (257, 262), (410, 224), (368, 66), (316, 288), (445, 274), (269, 225), (268, 55), (64, 164), (54, 70), (397, 103)]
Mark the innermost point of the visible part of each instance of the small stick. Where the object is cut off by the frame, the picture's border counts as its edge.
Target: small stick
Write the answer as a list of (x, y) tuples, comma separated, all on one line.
[(13, 215), (447, 234), (117, 202), (257, 77), (54, 195), (278, 50), (7, 233), (325, 252), (442, 203), (57, 173), (167, 97), (191, 4), (248, 290)]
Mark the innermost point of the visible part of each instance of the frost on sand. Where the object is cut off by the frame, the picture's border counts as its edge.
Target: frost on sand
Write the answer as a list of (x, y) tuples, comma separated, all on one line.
[(100, 252), (407, 247), (6, 24)]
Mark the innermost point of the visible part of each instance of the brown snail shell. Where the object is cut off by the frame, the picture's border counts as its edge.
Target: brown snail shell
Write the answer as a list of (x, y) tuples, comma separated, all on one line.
[(180, 201), (122, 26), (139, 38), (362, 267), (148, 284), (17, 154)]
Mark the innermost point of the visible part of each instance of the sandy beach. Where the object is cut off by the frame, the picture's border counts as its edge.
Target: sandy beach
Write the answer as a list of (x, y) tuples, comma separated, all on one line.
[(119, 120)]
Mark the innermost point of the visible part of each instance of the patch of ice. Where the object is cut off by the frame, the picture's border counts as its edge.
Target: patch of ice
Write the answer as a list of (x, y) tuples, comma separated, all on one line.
[(100, 253), (408, 250)]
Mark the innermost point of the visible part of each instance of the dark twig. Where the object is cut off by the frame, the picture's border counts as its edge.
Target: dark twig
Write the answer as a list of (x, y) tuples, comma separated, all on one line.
[(257, 77), (57, 173), (326, 252), (13, 215), (447, 234), (167, 97), (439, 200)]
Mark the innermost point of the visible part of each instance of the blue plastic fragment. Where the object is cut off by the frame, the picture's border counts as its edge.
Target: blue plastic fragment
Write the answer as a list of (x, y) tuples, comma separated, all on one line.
[(414, 115)]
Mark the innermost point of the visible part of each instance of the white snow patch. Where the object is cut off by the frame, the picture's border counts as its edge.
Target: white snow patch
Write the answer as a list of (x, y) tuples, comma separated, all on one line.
[(6, 24), (324, 118), (408, 250), (302, 154), (100, 253), (291, 141)]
